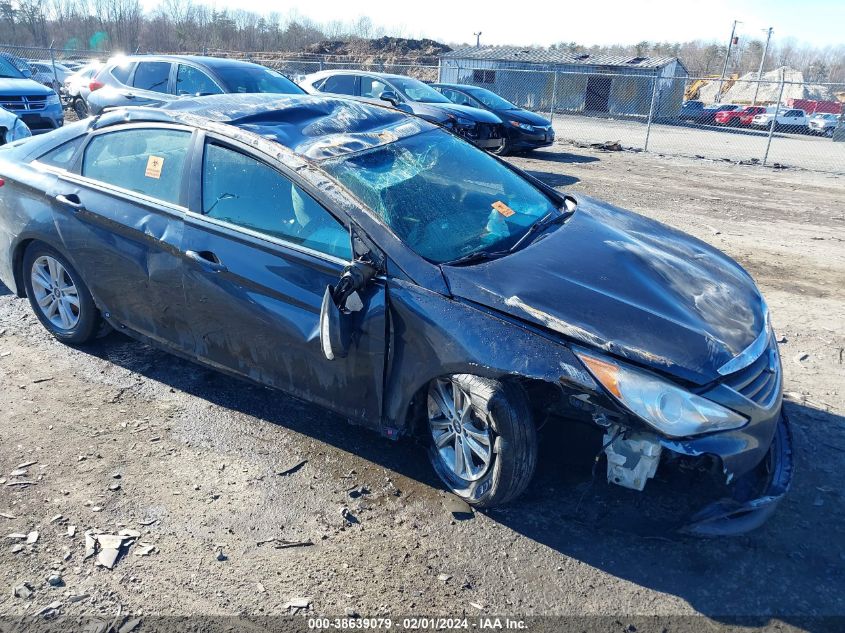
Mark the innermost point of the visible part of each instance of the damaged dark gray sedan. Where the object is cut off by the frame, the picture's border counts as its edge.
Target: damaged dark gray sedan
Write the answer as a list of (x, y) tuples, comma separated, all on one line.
[(379, 266)]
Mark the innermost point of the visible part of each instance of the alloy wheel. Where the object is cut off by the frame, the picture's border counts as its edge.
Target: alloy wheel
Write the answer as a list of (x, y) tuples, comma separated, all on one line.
[(463, 441), (56, 294)]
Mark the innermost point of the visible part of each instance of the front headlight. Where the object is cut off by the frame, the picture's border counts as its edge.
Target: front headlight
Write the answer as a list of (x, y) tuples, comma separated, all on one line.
[(668, 408), (19, 130), (53, 99), (523, 126)]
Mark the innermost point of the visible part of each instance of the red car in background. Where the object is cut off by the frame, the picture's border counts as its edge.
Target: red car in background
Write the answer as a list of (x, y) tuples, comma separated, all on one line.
[(738, 117)]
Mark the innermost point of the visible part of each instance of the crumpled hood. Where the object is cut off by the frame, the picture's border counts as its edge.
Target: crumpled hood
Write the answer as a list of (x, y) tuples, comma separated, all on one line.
[(633, 287), (440, 111), (17, 87)]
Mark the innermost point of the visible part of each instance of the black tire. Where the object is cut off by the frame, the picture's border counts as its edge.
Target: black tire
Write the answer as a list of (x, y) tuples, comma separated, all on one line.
[(88, 319), (503, 150), (80, 108), (504, 408)]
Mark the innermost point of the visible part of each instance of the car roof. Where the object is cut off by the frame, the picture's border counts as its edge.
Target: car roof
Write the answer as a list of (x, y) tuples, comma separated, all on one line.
[(209, 62), (313, 127), (343, 71), (459, 86)]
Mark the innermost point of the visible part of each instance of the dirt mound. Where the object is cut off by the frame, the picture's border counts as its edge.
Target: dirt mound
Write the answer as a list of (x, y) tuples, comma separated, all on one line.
[(383, 47)]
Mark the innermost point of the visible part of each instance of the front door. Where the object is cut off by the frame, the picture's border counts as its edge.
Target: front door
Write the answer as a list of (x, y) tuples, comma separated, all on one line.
[(598, 93), (123, 201), (261, 252)]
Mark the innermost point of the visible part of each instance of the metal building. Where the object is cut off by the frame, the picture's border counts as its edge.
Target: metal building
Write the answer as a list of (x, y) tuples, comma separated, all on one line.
[(579, 83)]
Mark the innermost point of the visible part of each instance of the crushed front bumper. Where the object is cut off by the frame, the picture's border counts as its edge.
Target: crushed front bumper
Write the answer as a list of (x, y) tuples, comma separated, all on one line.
[(756, 494)]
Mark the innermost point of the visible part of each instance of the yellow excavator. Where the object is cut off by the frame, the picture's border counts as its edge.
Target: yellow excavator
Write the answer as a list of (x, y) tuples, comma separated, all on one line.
[(695, 87)]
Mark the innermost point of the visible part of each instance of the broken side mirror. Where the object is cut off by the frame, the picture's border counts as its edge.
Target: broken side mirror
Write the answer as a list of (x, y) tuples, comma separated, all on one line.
[(339, 304), (390, 96)]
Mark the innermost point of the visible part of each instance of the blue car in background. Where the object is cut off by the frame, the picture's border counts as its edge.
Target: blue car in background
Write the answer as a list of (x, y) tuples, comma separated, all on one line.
[(39, 107)]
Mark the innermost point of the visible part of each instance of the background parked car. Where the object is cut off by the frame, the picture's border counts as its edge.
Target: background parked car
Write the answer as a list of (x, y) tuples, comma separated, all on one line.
[(52, 74), (12, 128), (77, 89), (38, 106), (823, 123), (742, 116), (691, 110), (786, 119), (708, 114), (154, 79), (524, 130), (482, 128)]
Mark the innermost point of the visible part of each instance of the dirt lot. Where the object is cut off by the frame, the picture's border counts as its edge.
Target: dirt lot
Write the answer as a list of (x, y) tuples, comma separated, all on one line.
[(124, 436)]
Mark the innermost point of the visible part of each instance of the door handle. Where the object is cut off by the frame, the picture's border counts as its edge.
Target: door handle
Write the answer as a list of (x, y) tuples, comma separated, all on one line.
[(70, 200), (208, 260)]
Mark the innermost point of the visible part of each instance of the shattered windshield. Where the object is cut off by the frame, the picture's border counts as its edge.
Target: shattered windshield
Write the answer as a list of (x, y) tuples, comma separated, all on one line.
[(441, 196)]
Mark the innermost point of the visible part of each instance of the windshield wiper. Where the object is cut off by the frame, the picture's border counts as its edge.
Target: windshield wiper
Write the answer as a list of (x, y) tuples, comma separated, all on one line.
[(539, 226), (475, 257)]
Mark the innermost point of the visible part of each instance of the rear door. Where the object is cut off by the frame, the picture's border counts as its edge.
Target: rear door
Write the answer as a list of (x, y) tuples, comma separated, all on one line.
[(151, 83), (263, 251), (340, 84), (122, 222)]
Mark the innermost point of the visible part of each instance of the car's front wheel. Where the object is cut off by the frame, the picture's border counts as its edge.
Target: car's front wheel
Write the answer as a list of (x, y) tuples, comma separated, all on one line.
[(59, 298), (80, 108), (482, 438)]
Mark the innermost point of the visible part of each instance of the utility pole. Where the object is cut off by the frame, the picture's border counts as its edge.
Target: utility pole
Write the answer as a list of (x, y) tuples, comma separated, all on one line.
[(477, 39), (762, 60), (727, 56)]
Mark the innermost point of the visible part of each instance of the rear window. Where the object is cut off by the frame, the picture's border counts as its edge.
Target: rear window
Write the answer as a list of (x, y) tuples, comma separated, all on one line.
[(246, 79), (121, 73), (152, 76), (61, 156), (340, 84), (145, 160)]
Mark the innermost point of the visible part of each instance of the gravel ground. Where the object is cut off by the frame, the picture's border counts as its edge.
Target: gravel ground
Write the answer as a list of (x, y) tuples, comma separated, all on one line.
[(252, 499)]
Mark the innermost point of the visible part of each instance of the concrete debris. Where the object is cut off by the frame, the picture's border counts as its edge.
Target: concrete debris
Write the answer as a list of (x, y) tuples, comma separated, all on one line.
[(129, 625), (15, 535), (129, 533), (58, 517), (260, 588), (97, 509), (17, 548), (7, 515), (19, 472), (107, 557), (55, 580), (144, 549), (114, 487), (147, 522), (90, 545), (109, 541), (50, 608), (22, 482), (117, 476), (24, 591), (32, 537), (298, 603), (71, 530), (480, 607), (27, 464), (443, 577), (459, 508), (77, 597), (352, 613)]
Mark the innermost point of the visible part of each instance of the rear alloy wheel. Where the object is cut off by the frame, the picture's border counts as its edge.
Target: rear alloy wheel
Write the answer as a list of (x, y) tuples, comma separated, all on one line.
[(58, 297), (80, 108), (483, 443)]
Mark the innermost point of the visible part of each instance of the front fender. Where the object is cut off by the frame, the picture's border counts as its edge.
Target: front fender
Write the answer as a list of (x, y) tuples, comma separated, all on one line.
[(433, 335)]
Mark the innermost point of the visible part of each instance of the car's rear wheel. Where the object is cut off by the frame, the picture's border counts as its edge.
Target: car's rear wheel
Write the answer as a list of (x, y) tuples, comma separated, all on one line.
[(503, 150), (482, 438), (80, 108), (59, 298)]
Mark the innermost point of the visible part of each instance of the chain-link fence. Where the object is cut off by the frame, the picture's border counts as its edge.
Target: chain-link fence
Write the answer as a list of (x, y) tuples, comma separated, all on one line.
[(767, 121)]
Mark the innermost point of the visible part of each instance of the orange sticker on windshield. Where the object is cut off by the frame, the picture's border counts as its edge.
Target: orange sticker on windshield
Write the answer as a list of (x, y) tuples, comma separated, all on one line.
[(504, 209), (154, 167)]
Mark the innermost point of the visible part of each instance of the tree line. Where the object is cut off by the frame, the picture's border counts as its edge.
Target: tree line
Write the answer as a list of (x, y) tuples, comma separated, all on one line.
[(188, 26)]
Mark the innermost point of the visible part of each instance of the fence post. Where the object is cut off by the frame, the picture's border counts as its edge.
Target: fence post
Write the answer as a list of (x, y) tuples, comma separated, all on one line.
[(651, 112), (56, 83), (554, 99), (775, 118)]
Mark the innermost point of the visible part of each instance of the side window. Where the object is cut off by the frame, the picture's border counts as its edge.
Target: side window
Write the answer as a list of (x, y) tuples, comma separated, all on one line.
[(372, 87), (244, 191), (340, 84), (192, 81), (121, 73), (457, 97), (146, 160), (62, 155), (152, 76)]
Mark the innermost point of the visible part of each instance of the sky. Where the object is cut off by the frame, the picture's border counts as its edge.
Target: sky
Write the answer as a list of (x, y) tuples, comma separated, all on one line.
[(544, 22)]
